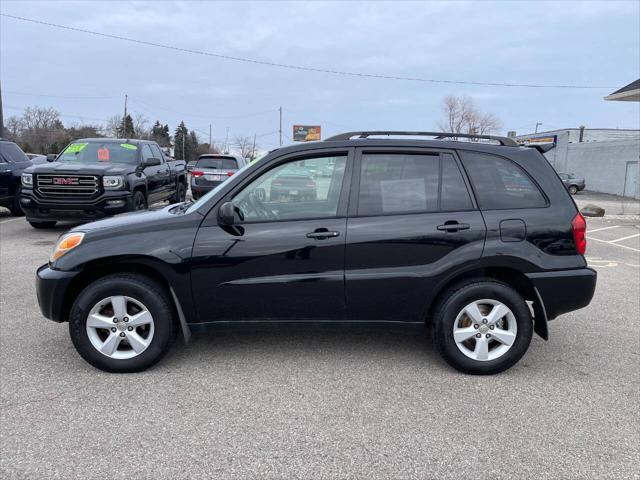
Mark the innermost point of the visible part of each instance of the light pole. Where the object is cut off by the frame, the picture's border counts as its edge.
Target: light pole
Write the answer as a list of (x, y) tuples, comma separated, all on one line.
[(538, 124)]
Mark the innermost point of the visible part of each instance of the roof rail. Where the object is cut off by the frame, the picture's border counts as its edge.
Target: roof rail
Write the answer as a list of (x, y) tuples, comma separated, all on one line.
[(505, 141)]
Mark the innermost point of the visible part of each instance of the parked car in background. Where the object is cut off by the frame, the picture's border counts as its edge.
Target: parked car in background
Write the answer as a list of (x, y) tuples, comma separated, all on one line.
[(210, 170), (573, 183), (38, 159), (13, 162), (96, 177), (295, 184), (480, 242)]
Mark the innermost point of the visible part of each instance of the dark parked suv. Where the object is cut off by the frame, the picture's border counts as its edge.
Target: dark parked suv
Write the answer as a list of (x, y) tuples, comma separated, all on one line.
[(480, 242)]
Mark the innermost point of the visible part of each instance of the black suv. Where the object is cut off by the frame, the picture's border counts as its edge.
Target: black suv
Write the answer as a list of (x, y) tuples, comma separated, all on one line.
[(480, 242), (13, 161)]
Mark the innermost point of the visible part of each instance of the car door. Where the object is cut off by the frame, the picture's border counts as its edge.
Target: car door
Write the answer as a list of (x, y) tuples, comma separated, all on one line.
[(154, 175), (411, 221), (166, 181), (283, 259)]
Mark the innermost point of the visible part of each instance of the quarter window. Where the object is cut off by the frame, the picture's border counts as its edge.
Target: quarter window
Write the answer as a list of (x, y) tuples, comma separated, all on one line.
[(500, 183), (455, 195), (302, 189)]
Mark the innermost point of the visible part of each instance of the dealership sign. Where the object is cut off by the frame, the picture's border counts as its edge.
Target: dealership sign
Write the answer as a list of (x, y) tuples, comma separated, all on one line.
[(306, 133), (538, 139)]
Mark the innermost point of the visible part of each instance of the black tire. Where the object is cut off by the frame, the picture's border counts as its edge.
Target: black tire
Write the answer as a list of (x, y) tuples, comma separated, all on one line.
[(15, 208), (141, 288), (181, 193), (452, 303), (41, 225), (139, 201), (573, 189)]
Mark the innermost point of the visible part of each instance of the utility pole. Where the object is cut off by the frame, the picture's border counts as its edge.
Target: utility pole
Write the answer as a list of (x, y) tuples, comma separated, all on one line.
[(253, 150), (124, 119), (210, 149), (538, 124), (1, 116), (183, 145), (226, 142), (280, 128)]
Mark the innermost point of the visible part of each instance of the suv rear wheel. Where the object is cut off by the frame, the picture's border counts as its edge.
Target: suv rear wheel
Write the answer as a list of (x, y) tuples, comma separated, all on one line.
[(122, 323), (482, 327), (573, 189)]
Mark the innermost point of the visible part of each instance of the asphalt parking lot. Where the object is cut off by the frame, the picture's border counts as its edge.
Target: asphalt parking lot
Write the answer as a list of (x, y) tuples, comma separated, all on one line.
[(317, 403)]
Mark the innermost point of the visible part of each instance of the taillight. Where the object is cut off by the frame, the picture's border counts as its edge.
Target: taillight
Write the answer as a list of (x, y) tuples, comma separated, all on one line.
[(311, 184), (579, 230), (229, 174), (197, 173)]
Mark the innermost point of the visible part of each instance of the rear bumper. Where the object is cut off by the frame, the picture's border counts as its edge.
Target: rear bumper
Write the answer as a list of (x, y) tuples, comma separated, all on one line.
[(51, 286), (46, 209), (563, 291), (199, 190)]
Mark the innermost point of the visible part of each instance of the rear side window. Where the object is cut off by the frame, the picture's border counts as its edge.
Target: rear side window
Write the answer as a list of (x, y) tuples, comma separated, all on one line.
[(455, 195), (218, 163), (499, 183)]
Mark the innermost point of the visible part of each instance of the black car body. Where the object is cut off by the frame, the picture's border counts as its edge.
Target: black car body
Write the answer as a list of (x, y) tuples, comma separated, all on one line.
[(13, 162), (573, 183), (95, 178), (210, 170), (400, 232)]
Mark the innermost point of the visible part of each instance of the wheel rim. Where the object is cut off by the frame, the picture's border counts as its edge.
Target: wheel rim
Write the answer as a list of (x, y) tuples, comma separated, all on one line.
[(120, 327), (485, 330)]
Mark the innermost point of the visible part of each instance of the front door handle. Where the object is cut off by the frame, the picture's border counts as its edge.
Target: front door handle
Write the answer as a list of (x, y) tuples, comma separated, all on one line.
[(453, 226), (322, 234)]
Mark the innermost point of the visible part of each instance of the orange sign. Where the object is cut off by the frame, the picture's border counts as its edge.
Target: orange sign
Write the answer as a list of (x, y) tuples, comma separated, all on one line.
[(103, 154)]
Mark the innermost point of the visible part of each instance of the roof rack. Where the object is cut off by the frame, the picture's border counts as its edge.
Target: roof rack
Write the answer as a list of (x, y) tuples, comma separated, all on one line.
[(505, 141)]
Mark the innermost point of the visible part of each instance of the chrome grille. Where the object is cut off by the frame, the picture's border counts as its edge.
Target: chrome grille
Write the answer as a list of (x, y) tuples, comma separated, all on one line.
[(78, 186)]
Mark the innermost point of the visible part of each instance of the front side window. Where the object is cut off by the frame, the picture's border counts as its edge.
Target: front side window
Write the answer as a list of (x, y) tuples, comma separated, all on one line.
[(500, 183), (156, 152), (11, 153), (301, 189)]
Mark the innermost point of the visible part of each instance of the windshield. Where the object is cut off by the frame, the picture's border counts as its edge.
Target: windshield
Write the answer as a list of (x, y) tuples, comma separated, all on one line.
[(202, 200), (11, 153), (96, 152), (218, 163)]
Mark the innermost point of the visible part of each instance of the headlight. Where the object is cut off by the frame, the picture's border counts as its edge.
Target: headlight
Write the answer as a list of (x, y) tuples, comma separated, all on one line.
[(112, 182), (66, 243), (27, 179)]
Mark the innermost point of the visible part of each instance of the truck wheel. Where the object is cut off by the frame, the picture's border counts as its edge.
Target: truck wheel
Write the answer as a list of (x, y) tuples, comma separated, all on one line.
[(181, 193), (122, 323), (15, 208), (139, 201), (39, 225), (573, 189), (482, 327)]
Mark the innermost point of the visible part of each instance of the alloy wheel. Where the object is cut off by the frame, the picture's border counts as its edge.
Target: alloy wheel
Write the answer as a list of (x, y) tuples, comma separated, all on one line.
[(485, 330), (120, 327)]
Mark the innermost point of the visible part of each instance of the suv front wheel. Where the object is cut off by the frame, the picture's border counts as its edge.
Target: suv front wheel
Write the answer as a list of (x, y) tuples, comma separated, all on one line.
[(122, 323), (482, 327)]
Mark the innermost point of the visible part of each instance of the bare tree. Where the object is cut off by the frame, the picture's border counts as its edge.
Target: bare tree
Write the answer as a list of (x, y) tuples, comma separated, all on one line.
[(244, 145), (112, 126), (140, 126), (462, 115)]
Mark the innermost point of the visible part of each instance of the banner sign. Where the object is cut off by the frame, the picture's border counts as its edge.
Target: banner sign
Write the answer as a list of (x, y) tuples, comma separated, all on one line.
[(306, 133)]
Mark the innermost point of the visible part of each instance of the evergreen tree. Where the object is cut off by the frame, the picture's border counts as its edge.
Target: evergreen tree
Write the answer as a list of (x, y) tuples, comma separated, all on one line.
[(126, 130), (193, 146), (181, 141)]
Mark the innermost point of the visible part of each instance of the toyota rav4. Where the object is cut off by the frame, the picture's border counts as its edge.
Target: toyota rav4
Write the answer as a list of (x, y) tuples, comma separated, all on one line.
[(478, 240)]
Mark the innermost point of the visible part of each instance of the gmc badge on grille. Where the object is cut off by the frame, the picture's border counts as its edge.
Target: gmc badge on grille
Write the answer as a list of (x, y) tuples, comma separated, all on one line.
[(65, 181)]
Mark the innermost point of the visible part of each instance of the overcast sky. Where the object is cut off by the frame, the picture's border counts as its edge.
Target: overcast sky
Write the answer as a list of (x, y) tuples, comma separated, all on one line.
[(547, 43)]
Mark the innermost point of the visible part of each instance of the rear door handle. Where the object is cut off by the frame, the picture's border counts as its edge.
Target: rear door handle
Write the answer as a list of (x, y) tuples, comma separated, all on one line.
[(322, 234), (453, 226)]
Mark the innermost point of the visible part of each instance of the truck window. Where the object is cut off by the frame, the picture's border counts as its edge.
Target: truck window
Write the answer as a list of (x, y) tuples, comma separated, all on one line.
[(157, 153), (11, 153)]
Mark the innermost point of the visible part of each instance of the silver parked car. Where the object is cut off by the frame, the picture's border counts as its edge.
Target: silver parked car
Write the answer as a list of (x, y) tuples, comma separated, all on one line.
[(573, 183), (211, 169)]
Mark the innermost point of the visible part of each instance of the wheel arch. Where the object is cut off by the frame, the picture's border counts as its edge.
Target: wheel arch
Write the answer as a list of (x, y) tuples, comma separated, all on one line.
[(103, 267), (512, 277)]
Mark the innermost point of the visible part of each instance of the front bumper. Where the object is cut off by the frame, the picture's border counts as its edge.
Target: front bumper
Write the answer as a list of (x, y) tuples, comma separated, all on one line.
[(108, 203), (51, 287), (563, 291)]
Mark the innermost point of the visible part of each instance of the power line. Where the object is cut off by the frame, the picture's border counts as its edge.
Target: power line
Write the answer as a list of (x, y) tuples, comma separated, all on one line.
[(297, 67), (58, 96)]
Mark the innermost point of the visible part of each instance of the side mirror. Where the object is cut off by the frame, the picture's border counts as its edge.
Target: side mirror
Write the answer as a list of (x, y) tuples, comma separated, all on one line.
[(52, 157), (151, 162), (227, 213)]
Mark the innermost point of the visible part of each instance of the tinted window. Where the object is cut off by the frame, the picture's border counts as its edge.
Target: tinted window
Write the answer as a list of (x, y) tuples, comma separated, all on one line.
[(301, 189), (499, 183), (455, 195), (98, 152), (146, 152), (11, 153), (156, 152), (398, 183), (218, 163)]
